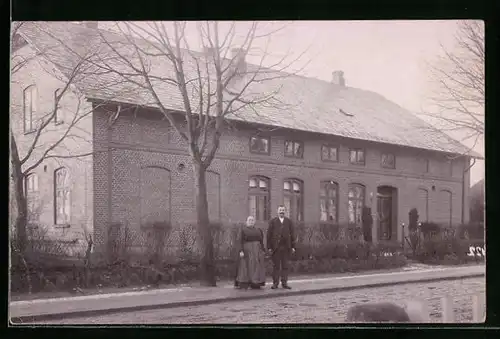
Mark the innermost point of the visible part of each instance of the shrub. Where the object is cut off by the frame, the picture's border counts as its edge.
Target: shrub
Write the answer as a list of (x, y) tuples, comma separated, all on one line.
[(187, 243), (328, 232), (218, 232), (414, 233), (233, 246), (471, 231), (303, 252), (301, 232), (442, 251), (158, 234), (430, 229)]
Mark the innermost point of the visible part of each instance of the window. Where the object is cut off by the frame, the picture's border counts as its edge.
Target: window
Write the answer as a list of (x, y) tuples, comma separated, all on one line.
[(61, 196), (294, 149), (445, 207), (292, 199), (29, 98), (328, 201), (329, 153), (357, 156), (356, 201), (450, 167), (259, 198), (259, 145), (388, 160), (425, 162), (31, 188), (57, 116)]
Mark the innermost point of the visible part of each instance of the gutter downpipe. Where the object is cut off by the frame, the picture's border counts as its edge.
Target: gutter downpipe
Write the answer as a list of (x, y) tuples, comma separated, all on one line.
[(463, 188)]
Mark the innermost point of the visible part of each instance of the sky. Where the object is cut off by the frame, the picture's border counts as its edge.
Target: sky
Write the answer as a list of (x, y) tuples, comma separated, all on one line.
[(387, 57)]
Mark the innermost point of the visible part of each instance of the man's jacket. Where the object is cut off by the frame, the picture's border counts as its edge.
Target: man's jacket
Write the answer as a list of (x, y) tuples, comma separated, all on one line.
[(276, 231)]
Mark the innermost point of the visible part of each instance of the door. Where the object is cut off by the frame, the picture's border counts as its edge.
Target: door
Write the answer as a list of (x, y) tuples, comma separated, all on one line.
[(384, 210)]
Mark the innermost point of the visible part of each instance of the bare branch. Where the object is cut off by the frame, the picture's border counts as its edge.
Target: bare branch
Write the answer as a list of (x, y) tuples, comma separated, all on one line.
[(459, 78)]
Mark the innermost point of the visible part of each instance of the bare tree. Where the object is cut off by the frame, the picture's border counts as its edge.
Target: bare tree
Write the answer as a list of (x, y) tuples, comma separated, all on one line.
[(47, 141), (458, 76), (213, 87)]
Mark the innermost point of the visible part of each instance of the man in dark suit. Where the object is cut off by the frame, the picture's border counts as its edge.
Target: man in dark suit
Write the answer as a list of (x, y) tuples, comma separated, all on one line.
[(280, 244)]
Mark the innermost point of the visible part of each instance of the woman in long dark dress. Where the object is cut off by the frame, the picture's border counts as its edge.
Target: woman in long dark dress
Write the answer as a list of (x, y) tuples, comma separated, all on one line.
[(251, 266)]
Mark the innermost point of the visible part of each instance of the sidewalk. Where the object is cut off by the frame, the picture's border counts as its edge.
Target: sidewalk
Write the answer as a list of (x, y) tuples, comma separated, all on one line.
[(94, 305)]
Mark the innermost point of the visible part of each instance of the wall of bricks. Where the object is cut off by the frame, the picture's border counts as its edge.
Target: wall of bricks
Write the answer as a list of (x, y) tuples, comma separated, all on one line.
[(137, 143), (47, 80)]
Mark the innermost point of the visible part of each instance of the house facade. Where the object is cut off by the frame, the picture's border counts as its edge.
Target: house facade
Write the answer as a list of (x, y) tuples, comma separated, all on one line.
[(328, 179), (140, 171)]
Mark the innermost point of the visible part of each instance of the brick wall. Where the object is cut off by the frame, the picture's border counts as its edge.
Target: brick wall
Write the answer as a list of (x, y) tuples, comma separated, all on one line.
[(137, 143), (47, 79)]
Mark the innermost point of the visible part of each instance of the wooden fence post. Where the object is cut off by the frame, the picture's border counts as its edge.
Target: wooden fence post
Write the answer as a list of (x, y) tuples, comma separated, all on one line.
[(448, 313), (478, 315), (418, 311)]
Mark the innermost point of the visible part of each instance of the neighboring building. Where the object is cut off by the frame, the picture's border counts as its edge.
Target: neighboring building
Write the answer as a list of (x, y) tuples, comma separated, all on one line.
[(330, 151), (477, 201)]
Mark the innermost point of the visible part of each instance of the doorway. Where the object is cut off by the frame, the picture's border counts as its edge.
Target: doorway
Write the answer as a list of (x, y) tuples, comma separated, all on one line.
[(386, 211)]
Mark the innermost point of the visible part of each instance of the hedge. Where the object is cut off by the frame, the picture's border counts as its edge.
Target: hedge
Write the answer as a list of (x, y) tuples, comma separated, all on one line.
[(172, 255), (140, 259)]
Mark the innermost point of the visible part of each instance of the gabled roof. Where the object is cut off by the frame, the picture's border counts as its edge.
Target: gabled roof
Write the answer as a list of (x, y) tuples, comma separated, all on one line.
[(302, 103)]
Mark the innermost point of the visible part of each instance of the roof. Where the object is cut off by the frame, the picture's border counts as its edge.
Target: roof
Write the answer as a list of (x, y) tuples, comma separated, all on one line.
[(301, 103)]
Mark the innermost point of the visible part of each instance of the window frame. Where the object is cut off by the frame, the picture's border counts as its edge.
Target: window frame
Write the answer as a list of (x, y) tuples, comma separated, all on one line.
[(327, 199), (294, 143), (382, 160), (357, 150), (32, 89), (363, 202), (66, 197), (268, 152), (258, 192), (330, 147), (292, 214)]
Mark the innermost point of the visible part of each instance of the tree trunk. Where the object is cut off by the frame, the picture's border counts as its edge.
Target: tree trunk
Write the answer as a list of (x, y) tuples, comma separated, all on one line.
[(207, 265), (19, 194)]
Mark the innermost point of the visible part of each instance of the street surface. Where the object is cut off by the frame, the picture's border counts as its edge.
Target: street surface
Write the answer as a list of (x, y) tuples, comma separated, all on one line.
[(319, 308)]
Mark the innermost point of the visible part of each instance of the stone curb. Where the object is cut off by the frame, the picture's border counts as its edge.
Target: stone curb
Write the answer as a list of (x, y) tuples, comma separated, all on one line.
[(30, 319)]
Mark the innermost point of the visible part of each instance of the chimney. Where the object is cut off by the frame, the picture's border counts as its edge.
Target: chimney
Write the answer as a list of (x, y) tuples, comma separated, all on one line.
[(338, 78), (91, 24), (238, 55)]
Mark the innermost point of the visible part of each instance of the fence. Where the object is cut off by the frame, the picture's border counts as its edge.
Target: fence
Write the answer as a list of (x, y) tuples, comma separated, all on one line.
[(447, 314)]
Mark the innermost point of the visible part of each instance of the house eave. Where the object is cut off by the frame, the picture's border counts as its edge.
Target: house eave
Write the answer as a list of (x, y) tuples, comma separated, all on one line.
[(287, 129)]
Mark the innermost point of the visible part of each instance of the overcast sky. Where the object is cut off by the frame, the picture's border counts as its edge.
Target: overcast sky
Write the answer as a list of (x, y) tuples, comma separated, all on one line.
[(388, 57)]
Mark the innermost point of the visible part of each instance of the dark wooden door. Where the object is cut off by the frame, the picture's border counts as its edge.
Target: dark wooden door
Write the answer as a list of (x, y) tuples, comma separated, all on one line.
[(384, 209)]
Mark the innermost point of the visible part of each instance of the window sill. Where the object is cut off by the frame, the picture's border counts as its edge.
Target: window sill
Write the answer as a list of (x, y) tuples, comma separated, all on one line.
[(62, 226), (293, 156), (357, 163), (57, 123), (328, 160)]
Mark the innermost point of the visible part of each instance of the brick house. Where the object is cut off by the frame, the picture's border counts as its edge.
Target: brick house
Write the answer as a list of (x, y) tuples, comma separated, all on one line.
[(352, 148)]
